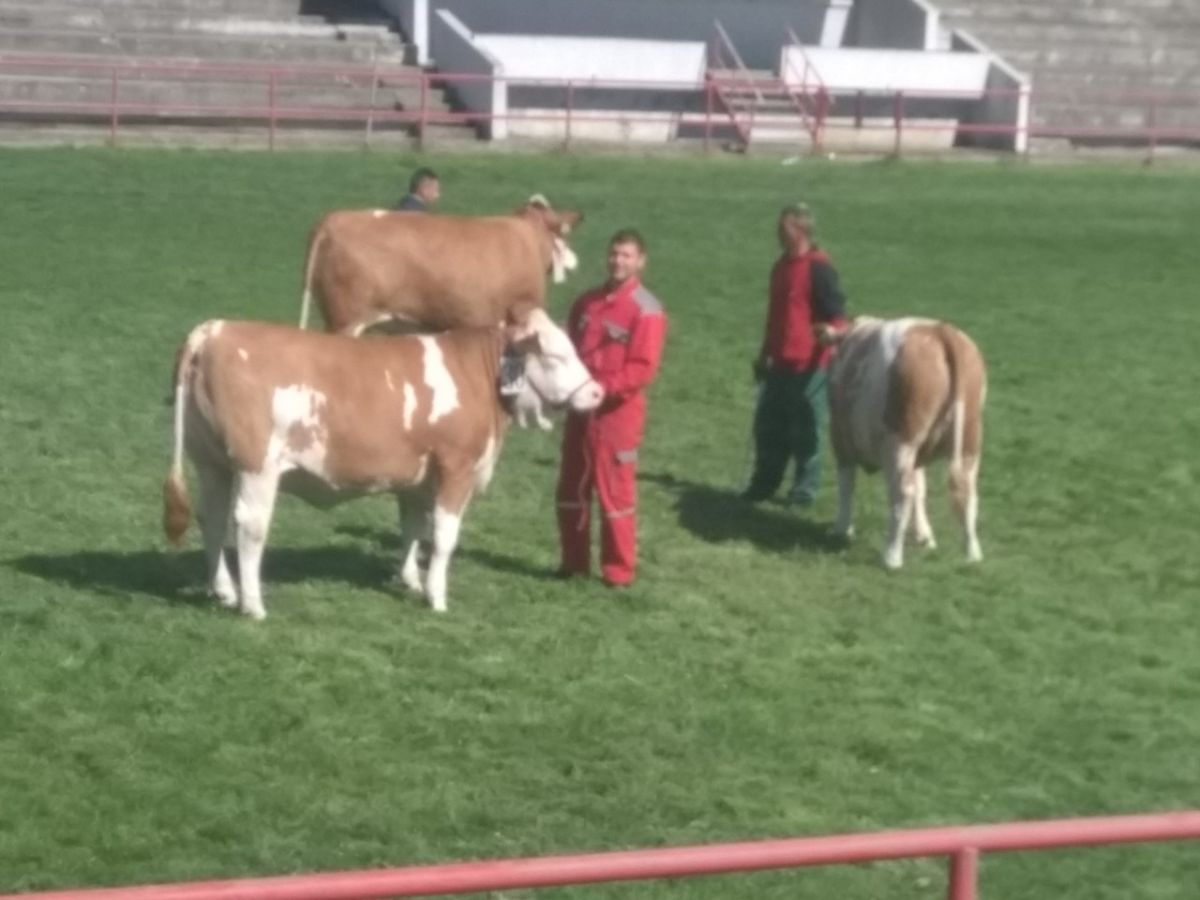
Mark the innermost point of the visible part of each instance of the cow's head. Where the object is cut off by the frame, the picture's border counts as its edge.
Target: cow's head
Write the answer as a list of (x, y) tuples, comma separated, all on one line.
[(540, 366), (557, 226)]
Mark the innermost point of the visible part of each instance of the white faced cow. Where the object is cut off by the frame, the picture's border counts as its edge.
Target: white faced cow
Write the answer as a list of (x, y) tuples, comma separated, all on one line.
[(263, 407), (901, 393), (431, 272)]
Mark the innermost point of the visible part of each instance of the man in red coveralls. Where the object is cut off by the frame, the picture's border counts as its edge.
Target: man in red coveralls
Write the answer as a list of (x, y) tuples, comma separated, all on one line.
[(791, 366), (619, 329)]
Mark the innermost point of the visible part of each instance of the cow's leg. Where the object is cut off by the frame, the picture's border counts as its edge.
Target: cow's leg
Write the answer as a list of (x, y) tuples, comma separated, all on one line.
[(255, 503), (216, 502), (414, 520), (921, 527), (964, 488), (844, 526), (901, 494), (449, 505)]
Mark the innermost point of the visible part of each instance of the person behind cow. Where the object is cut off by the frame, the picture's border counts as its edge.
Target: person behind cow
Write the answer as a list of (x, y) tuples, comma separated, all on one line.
[(424, 189), (791, 366), (619, 329)]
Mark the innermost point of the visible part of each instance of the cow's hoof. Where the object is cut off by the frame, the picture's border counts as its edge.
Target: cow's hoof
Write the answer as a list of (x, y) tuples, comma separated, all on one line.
[(974, 555), (892, 561), (227, 599), (257, 613), (410, 583), (927, 541)]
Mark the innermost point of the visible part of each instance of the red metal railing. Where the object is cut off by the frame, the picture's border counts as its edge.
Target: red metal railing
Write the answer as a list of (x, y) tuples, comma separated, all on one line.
[(812, 99), (963, 845), (734, 79), (1167, 117)]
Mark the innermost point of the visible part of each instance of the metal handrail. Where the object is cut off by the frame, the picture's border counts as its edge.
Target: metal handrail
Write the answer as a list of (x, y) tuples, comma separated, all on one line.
[(962, 845), (723, 42)]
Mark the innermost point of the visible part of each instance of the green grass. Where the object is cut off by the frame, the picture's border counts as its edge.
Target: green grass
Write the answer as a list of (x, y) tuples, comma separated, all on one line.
[(753, 684)]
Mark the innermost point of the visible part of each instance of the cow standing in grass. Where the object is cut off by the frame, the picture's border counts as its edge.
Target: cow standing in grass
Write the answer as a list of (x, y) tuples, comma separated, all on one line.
[(904, 392), (433, 272), (262, 407)]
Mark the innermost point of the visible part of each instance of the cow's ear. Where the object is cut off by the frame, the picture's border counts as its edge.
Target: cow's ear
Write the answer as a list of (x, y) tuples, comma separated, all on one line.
[(567, 220), (522, 341)]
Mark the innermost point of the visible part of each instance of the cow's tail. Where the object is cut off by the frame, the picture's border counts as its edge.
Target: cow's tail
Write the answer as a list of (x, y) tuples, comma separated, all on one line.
[(310, 265), (177, 510), (958, 412)]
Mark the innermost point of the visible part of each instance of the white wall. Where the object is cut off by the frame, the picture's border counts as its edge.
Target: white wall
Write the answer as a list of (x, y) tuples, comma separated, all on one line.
[(456, 51), (856, 69), (837, 17), (603, 59)]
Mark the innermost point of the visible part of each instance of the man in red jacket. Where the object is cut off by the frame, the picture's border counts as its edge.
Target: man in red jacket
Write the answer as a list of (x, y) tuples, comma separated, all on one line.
[(619, 329), (792, 363)]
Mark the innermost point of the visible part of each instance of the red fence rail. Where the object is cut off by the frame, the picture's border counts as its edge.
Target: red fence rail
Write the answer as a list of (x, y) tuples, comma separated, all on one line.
[(963, 845), (1167, 117)]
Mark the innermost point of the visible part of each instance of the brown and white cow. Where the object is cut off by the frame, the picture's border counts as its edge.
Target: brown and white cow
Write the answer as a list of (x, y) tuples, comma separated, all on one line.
[(903, 392), (434, 272), (263, 407)]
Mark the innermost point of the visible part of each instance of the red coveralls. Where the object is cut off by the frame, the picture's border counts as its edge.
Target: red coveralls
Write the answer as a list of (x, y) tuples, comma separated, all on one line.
[(619, 337)]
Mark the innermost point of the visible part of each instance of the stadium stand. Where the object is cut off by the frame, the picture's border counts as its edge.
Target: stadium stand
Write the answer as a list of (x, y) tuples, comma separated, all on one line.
[(1094, 64), (794, 73), (192, 64)]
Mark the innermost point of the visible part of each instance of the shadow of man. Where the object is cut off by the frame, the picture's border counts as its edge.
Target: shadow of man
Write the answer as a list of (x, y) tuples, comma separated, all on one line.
[(716, 516)]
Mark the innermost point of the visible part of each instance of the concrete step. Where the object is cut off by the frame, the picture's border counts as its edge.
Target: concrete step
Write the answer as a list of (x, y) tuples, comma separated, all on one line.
[(1105, 85), (64, 90), (1099, 59), (223, 46), (268, 8), (1044, 13), (329, 10), (28, 92), (185, 135), (13, 16)]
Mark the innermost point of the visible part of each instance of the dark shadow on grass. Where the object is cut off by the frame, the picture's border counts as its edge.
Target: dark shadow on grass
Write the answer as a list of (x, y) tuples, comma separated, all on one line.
[(180, 577), (717, 515), (389, 540)]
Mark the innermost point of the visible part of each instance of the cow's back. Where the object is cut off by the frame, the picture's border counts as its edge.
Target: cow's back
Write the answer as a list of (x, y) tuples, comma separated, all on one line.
[(897, 382), (437, 271)]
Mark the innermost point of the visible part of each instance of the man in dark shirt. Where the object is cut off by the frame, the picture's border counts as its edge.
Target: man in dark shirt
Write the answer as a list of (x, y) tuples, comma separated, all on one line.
[(792, 363), (424, 189)]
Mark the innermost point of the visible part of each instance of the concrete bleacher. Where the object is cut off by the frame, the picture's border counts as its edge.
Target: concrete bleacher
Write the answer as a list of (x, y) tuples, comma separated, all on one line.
[(177, 63), (1093, 65)]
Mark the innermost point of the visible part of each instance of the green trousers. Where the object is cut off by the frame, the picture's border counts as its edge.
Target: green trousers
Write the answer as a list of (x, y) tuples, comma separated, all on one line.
[(791, 413)]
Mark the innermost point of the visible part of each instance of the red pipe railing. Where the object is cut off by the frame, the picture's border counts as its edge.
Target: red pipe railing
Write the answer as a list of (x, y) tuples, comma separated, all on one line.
[(963, 845), (111, 109)]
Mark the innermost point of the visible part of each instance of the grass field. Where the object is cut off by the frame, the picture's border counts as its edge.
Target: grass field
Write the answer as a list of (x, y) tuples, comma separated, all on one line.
[(755, 683)]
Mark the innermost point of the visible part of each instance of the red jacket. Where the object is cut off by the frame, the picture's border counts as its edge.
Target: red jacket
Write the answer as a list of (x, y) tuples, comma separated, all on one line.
[(804, 291), (620, 337)]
